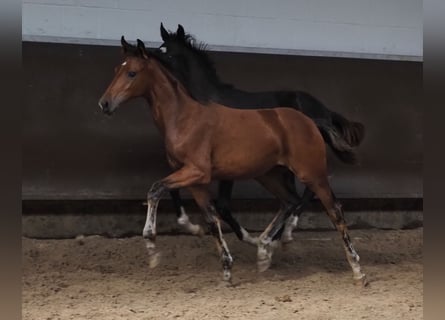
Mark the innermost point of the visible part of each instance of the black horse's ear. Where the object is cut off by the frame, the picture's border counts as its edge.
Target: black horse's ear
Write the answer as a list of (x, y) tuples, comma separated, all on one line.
[(141, 48), (180, 32), (125, 44), (164, 33)]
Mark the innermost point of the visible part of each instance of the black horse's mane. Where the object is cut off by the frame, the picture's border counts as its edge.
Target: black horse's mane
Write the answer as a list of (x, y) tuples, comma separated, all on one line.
[(199, 48)]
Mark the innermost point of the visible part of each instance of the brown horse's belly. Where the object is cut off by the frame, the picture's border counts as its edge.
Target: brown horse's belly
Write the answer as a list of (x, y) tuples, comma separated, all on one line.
[(243, 160), (243, 171)]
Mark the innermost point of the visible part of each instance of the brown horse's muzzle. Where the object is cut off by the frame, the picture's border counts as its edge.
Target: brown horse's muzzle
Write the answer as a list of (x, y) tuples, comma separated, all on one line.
[(105, 106)]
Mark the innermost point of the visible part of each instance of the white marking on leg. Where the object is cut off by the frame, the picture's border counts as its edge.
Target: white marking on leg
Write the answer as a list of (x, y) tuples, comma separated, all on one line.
[(150, 221), (248, 238), (226, 257), (291, 224), (353, 259), (149, 232), (356, 269), (353, 253), (184, 221)]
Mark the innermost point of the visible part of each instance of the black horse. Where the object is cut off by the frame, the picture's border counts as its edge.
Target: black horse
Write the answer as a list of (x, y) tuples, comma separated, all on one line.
[(189, 62)]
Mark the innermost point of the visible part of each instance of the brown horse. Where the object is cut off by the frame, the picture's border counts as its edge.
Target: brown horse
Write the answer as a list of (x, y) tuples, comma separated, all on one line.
[(214, 142)]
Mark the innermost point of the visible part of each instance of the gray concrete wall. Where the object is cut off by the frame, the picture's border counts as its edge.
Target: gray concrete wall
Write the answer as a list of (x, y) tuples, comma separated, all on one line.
[(390, 29), (72, 151)]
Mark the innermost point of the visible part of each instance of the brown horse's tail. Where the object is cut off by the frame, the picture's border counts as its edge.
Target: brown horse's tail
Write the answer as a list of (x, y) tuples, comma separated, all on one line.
[(342, 137)]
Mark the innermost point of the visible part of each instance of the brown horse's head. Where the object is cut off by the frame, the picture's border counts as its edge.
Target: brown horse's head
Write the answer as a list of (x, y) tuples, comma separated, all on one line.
[(129, 80)]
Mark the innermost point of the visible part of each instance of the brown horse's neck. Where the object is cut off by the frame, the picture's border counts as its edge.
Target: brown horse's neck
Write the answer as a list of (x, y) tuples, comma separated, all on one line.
[(167, 98)]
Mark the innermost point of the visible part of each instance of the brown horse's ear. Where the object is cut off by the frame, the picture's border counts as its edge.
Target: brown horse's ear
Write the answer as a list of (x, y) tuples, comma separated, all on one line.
[(164, 33), (142, 50), (180, 32), (125, 45)]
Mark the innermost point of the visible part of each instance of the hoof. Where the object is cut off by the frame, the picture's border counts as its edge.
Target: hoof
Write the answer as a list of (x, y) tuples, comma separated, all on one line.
[(227, 277), (362, 281), (154, 259), (225, 284), (264, 256), (263, 265)]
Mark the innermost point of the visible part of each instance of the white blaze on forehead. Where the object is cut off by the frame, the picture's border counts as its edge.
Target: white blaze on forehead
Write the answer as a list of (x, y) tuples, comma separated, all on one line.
[(125, 62), (163, 49)]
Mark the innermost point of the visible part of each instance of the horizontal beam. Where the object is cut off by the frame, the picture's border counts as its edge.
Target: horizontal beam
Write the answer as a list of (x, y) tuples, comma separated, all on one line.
[(223, 48)]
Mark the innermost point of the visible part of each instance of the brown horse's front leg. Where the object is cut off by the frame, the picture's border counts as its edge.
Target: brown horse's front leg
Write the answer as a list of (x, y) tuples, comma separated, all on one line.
[(186, 176), (201, 195)]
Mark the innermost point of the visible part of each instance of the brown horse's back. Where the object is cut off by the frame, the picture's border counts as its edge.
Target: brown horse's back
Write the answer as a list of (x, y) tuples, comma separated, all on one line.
[(249, 143)]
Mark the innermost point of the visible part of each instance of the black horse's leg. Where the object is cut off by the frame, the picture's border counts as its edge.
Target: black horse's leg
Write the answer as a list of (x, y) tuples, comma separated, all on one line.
[(281, 183), (283, 177), (223, 208), (291, 204), (266, 243), (284, 181), (277, 224), (182, 217)]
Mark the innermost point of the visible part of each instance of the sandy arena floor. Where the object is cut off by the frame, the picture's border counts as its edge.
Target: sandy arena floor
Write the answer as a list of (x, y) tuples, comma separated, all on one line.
[(105, 279)]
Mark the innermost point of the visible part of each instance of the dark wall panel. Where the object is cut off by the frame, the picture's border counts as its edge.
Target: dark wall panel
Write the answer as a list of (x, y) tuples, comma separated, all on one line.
[(72, 151)]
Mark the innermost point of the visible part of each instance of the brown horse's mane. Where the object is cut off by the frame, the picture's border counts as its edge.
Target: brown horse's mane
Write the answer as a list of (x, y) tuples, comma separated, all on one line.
[(174, 82)]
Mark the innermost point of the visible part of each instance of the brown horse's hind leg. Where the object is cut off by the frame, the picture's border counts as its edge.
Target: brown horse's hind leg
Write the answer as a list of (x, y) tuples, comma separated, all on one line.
[(202, 198), (335, 213)]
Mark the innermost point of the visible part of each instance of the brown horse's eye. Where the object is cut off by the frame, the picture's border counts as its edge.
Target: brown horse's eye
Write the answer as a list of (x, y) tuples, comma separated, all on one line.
[(131, 74)]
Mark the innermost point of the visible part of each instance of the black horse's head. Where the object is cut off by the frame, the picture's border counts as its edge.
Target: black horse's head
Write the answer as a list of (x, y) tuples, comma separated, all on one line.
[(188, 61)]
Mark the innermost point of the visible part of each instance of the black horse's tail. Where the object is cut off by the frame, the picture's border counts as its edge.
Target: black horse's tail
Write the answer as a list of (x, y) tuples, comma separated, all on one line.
[(338, 132), (338, 145), (342, 139), (352, 132)]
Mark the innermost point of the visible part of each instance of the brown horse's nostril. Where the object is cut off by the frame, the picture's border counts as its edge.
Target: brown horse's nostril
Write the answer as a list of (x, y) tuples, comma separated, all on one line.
[(104, 106)]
